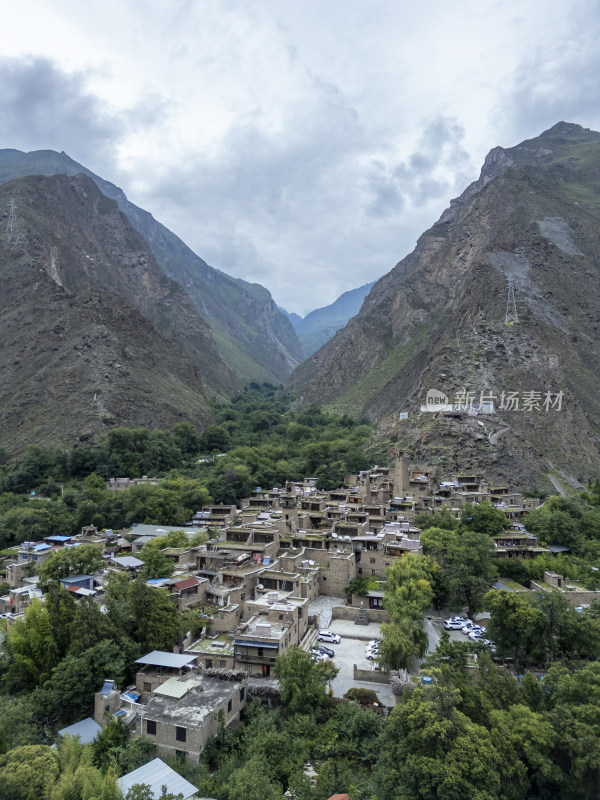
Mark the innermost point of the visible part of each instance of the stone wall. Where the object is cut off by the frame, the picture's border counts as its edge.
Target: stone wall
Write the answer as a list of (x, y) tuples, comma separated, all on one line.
[(348, 612), (577, 598), (370, 675)]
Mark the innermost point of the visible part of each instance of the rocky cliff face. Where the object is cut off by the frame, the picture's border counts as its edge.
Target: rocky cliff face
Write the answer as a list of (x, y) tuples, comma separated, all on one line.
[(437, 320), (82, 315), (252, 336)]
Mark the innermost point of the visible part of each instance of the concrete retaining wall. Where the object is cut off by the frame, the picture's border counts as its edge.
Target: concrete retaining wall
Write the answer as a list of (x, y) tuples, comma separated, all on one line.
[(370, 675), (348, 612)]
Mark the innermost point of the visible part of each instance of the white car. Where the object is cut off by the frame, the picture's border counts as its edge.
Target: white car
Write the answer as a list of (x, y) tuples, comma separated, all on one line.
[(477, 634), (328, 636), (470, 626), (454, 624)]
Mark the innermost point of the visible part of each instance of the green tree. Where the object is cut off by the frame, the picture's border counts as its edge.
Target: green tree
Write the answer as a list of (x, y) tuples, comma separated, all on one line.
[(470, 569), (301, 681), (431, 749), (483, 518), (70, 690), (514, 625), (156, 563), (32, 649), (526, 741), (157, 625), (408, 593), (252, 782), (28, 770), (86, 559)]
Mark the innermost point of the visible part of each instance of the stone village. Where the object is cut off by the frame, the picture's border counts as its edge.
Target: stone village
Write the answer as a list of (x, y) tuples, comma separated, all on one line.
[(262, 580)]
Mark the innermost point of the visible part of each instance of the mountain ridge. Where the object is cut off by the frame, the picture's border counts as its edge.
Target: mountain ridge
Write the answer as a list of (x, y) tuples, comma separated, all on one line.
[(437, 319), (77, 358), (254, 339)]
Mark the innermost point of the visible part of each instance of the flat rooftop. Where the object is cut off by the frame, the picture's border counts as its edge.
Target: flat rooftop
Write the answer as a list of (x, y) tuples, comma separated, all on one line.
[(204, 696), (213, 645)]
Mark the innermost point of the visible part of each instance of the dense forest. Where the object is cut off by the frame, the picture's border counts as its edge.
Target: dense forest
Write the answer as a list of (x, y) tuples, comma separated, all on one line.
[(257, 440), (519, 721)]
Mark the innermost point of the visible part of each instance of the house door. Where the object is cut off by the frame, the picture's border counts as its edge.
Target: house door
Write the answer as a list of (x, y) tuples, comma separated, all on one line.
[(266, 671)]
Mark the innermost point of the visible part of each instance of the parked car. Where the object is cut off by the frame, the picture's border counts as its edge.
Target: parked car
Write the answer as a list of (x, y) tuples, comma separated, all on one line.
[(469, 627), (477, 634), (326, 650), (372, 655), (372, 642), (328, 636), (318, 656), (454, 624)]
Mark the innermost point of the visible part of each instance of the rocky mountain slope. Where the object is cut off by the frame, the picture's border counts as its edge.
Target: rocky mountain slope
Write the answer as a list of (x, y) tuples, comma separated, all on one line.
[(320, 325), (93, 333), (253, 337), (438, 321)]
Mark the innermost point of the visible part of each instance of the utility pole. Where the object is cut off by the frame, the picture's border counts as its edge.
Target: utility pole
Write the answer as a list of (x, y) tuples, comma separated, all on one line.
[(12, 217), (511, 306)]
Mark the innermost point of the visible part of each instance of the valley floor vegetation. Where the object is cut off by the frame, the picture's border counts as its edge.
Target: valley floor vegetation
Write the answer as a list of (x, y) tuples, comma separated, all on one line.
[(520, 723)]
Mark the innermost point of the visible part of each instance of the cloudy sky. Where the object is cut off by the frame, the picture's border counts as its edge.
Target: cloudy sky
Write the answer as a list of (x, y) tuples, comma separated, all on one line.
[(304, 146)]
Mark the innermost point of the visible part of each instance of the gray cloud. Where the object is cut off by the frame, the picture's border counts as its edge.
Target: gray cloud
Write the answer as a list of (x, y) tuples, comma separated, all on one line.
[(556, 79), (45, 108), (427, 174)]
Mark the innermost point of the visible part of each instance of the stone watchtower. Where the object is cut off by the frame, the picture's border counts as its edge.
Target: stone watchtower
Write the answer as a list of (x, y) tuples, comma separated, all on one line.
[(401, 479)]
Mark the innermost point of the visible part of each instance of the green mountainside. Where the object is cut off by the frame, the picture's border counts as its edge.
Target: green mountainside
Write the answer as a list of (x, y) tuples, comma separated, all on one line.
[(322, 324), (437, 320), (253, 337)]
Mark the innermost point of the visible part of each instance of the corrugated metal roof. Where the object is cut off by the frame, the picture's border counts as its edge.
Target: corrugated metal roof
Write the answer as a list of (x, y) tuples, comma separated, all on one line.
[(160, 658), (128, 561), (87, 730), (157, 774)]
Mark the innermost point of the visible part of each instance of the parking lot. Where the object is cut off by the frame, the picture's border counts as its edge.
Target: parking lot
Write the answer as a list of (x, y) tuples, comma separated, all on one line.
[(351, 651)]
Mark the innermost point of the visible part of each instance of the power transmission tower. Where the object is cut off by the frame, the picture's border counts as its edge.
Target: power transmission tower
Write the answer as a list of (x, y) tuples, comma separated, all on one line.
[(12, 217), (511, 306)]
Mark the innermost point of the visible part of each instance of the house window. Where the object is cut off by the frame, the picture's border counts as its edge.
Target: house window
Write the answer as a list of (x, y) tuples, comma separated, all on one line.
[(371, 560), (360, 570), (242, 693), (281, 616), (147, 686), (260, 652), (180, 755), (208, 663), (223, 664), (372, 572), (180, 733), (229, 705), (151, 727)]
